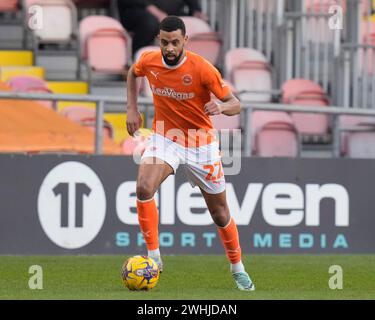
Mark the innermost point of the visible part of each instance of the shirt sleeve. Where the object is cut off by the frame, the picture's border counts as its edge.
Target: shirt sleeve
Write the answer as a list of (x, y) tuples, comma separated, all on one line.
[(212, 80), (139, 69)]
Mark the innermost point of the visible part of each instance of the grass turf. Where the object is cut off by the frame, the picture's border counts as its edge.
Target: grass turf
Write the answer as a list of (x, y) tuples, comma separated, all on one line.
[(190, 277)]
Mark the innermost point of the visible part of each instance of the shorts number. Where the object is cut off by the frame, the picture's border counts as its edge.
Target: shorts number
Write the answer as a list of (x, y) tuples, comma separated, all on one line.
[(212, 176)]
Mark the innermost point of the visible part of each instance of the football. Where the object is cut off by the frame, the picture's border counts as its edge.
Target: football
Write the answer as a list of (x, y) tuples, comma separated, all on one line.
[(140, 273)]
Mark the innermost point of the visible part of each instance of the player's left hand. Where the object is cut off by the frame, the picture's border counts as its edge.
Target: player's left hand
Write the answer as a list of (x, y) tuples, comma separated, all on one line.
[(212, 108)]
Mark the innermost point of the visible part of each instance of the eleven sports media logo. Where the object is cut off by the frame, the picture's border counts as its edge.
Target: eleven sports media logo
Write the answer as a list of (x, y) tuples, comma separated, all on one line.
[(72, 210)]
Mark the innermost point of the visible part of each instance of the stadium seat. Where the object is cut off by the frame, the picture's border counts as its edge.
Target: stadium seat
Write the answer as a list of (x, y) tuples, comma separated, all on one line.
[(115, 120), (202, 39), (8, 72), (8, 5), (104, 45), (59, 21), (274, 134), (28, 84), (357, 136), (223, 121), (322, 6), (86, 117), (135, 145), (144, 86), (4, 87), (368, 30), (31, 84), (15, 58), (309, 93), (43, 130), (61, 105), (248, 70), (361, 144), (365, 8), (118, 122), (70, 87)]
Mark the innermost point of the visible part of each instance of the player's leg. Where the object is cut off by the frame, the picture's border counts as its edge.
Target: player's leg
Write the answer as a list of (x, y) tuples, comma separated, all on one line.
[(151, 173), (227, 229), (204, 169)]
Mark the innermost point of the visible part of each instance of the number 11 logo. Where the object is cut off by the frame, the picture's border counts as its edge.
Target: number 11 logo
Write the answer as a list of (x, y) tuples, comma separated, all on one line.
[(71, 205), (62, 189)]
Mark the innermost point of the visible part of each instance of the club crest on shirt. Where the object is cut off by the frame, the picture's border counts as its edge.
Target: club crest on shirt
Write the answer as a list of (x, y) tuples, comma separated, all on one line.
[(187, 79)]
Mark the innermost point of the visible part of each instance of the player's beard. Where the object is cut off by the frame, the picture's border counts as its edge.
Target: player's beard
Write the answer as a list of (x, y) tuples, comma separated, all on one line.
[(174, 61)]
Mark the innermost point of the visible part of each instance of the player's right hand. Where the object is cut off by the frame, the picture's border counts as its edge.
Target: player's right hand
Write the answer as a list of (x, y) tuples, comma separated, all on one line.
[(133, 121)]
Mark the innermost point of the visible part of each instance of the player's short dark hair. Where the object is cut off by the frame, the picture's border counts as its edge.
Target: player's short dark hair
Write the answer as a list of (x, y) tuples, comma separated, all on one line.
[(172, 23)]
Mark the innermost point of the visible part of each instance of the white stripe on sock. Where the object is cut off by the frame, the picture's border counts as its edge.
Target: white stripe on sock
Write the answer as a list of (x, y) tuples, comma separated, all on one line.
[(237, 267), (154, 253), (148, 200)]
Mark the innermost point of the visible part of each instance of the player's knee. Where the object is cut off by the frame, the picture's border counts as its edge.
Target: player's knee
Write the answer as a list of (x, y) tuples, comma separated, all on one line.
[(221, 215), (144, 191)]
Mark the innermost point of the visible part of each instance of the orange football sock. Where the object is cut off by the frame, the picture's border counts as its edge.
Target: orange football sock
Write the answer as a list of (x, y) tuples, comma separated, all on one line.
[(148, 220), (229, 238)]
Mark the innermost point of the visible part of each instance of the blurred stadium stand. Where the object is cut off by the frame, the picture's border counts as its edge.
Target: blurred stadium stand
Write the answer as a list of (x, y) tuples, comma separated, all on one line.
[(202, 39), (280, 54)]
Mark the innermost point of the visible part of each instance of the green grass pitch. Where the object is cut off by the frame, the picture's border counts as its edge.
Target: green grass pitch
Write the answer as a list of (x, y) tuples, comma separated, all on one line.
[(190, 277)]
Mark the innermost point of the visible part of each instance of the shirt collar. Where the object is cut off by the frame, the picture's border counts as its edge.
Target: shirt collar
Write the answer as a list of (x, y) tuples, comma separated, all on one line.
[(177, 65)]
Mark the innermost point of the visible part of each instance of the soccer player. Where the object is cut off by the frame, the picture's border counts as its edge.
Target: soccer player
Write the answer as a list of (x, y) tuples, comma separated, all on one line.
[(182, 83)]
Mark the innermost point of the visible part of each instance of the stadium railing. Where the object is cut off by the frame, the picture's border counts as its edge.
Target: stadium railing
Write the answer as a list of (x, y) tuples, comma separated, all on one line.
[(112, 104), (356, 85), (319, 40)]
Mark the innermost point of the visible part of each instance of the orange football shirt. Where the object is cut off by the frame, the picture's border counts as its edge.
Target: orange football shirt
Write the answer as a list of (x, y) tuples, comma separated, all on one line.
[(180, 93)]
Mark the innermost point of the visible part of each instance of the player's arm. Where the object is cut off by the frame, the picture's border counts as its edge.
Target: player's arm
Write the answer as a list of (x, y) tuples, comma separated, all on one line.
[(229, 105), (133, 116)]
